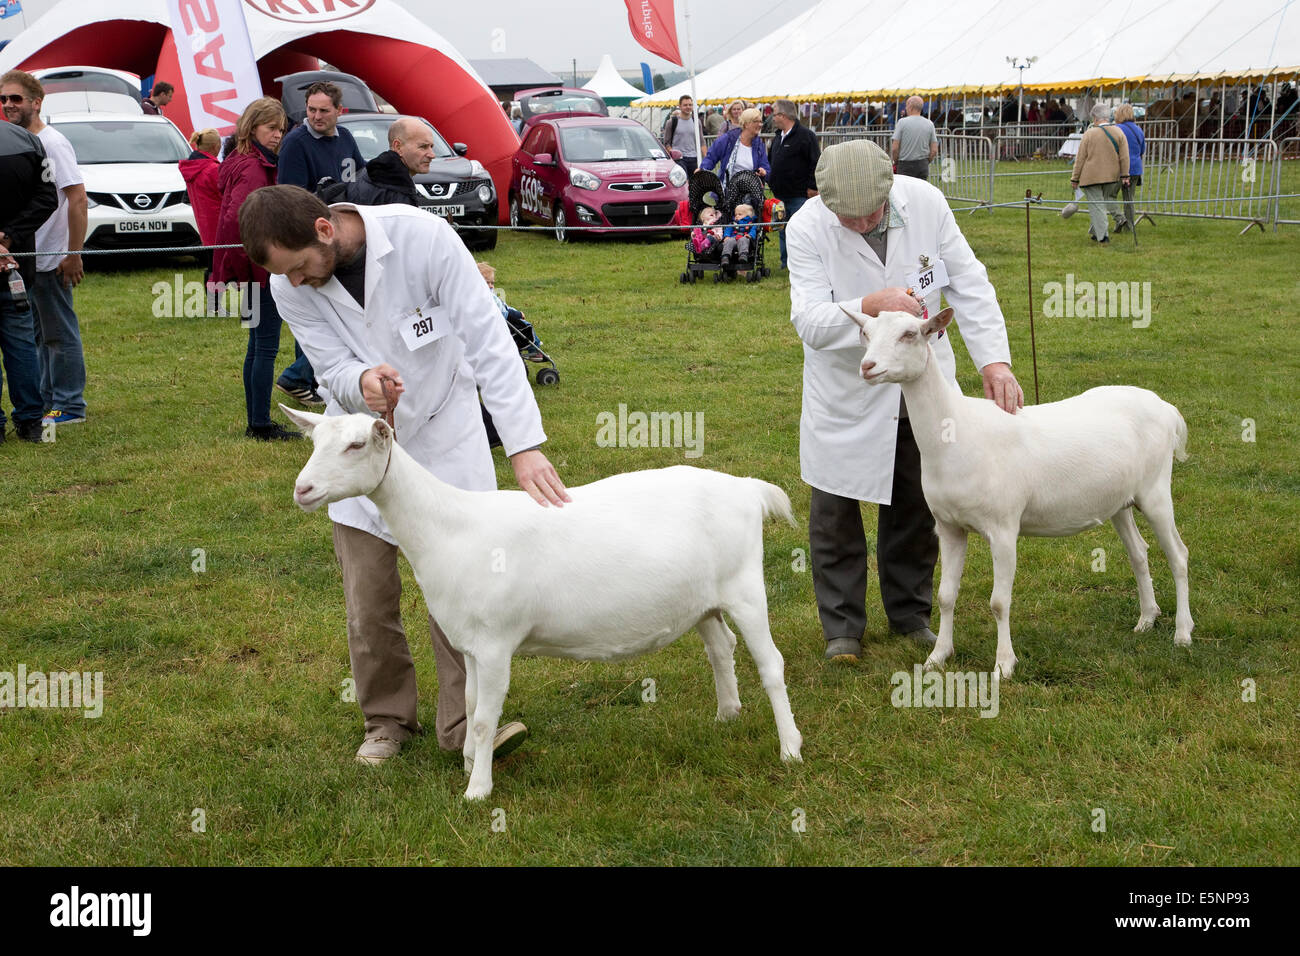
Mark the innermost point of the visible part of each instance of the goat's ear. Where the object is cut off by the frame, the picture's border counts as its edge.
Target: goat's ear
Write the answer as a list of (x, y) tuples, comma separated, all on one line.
[(937, 323), (307, 421), (856, 316), (380, 432)]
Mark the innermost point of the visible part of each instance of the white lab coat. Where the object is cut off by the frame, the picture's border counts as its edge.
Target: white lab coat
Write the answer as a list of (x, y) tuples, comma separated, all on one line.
[(848, 429), (415, 260)]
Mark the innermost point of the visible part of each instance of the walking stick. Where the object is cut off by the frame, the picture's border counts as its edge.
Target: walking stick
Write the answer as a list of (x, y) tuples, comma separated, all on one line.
[(1029, 272)]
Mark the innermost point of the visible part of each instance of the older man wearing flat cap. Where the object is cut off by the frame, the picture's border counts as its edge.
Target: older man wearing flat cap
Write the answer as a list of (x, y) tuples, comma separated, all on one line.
[(868, 241)]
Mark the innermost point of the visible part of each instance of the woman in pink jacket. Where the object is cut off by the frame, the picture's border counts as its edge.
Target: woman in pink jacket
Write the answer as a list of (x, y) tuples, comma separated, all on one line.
[(250, 164), (200, 174)]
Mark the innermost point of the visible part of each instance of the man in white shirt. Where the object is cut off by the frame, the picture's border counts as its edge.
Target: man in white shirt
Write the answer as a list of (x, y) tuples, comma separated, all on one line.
[(58, 334), (859, 242), (346, 278)]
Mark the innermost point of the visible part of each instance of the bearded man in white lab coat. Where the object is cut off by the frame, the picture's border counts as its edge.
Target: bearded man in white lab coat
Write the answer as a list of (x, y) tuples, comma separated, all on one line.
[(870, 241), (346, 278)]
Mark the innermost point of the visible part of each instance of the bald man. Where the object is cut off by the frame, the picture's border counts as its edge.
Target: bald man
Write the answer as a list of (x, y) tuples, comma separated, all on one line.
[(914, 143), (412, 139), (387, 178)]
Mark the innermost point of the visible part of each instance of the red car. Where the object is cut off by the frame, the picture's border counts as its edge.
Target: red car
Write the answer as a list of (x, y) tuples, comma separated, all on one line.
[(579, 167)]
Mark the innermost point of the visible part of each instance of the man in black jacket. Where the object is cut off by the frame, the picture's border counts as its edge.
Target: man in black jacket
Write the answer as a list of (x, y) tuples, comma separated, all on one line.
[(27, 199), (794, 153), (387, 178)]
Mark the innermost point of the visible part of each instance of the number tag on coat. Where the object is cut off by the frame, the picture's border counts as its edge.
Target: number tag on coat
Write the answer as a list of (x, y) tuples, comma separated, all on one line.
[(929, 280), (422, 326)]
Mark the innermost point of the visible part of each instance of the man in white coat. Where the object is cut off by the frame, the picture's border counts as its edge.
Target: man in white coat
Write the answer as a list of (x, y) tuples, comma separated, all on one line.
[(347, 278), (872, 242)]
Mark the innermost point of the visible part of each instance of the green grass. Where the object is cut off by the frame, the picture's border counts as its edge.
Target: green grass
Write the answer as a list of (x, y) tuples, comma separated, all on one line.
[(223, 687)]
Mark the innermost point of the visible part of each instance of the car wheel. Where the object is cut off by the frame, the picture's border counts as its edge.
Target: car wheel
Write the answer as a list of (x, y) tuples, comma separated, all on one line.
[(515, 220), (561, 224)]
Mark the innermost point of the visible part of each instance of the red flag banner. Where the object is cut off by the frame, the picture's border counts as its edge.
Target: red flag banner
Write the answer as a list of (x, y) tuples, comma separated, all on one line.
[(654, 24)]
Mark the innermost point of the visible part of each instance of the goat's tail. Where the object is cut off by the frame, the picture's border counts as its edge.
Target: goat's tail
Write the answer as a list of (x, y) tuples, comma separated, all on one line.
[(1180, 436), (776, 503)]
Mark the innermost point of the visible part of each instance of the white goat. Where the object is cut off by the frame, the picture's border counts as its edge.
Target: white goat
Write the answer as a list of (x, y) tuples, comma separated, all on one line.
[(630, 565), (1048, 471)]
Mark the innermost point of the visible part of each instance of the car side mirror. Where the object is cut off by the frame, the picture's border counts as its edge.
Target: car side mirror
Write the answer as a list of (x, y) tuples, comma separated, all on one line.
[(460, 148), (543, 159), (675, 153)]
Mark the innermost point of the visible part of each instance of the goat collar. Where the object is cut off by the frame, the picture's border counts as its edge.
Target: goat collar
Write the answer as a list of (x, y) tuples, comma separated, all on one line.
[(392, 440)]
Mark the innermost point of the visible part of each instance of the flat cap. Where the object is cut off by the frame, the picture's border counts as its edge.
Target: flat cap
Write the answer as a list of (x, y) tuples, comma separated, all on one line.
[(854, 178)]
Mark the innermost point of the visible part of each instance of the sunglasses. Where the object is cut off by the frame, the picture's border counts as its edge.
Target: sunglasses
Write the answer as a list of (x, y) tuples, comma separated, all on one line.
[(14, 98)]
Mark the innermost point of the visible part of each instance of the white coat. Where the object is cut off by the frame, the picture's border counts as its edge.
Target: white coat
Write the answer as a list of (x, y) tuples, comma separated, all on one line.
[(415, 260), (848, 429)]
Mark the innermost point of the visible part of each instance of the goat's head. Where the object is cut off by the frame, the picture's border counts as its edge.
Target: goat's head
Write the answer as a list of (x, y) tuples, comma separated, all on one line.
[(897, 343), (350, 458)]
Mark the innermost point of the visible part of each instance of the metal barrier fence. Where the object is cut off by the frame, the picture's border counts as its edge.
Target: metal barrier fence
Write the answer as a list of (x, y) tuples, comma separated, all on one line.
[(1286, 211)]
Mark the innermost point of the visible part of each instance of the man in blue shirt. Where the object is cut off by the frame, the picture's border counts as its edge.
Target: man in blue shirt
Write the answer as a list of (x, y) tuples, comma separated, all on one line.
[(316, 149)]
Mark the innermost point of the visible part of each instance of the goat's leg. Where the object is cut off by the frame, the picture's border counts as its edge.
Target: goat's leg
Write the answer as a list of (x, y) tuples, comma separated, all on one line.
[(1158, 506), (1137, 560), (492, 669), (952, 561), (471, 700), (751, 617), (1002, 543), (720, 646)]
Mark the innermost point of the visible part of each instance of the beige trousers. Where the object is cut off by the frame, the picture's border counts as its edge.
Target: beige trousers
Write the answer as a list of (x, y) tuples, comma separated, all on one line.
[(381, 659)]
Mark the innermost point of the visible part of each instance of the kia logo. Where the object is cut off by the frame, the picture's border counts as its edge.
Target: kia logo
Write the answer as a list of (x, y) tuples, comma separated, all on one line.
[(305, 11), (142, 201)]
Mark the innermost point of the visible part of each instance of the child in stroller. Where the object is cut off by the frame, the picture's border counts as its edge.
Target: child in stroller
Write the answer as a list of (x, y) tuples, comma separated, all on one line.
[(744, 189), (707, 237), (736, 238)]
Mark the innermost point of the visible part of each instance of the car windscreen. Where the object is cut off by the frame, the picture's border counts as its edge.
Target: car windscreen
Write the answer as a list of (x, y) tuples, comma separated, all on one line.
[(69, 81), (125, 141), (540, 104), (372, 138), (598, 144)]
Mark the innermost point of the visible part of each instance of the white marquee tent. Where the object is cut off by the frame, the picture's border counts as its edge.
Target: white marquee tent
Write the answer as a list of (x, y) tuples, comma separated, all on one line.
[(613, 89), (882, 48)]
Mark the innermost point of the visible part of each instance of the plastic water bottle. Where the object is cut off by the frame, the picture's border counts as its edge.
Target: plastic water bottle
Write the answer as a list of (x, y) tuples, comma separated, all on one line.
[(17, 289)]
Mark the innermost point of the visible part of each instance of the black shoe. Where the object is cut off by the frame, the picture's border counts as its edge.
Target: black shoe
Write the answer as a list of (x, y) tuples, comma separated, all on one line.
[(1104, 242), (29, 431), (272, 432), (303, 394)]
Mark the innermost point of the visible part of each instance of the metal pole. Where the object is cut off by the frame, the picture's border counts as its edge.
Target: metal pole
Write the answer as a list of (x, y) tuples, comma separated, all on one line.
[(1223, 104), (1029, 272), (1196, 112), (690, 68)]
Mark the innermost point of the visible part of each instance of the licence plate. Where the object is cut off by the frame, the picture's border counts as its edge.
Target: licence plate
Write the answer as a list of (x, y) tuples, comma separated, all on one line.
[(446, 210), (144, 225)]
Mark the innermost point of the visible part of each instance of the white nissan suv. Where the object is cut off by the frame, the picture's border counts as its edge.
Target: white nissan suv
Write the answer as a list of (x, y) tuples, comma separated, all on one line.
[(135, 189)]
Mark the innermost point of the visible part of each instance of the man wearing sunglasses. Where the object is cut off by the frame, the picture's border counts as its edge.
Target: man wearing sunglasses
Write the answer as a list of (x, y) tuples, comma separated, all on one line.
[(27, 197)]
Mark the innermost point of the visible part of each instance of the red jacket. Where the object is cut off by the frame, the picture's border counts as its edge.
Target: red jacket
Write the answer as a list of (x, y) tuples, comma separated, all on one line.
[(200, 173), (240, 174)]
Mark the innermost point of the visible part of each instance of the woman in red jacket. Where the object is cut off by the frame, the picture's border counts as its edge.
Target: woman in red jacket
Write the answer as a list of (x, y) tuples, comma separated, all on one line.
[(200, 174), (250, 164)]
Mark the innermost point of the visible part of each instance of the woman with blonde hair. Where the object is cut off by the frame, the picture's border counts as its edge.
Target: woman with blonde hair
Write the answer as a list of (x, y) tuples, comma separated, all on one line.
[(732, 113), (199, 171), (739, 148), (249, 165)]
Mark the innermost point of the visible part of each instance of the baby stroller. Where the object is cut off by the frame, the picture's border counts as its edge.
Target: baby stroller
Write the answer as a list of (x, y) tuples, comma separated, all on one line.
[(704, 190), (746, 188)]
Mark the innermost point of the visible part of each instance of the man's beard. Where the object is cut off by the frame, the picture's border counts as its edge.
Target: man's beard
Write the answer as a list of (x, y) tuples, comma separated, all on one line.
[(329, 261)]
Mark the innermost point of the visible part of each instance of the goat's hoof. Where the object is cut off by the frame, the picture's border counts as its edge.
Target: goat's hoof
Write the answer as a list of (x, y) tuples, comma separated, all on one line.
[(1183, 639), (1004, 669), (728, 713), (477, 793), (932, 664), (791, 756), (1145, 621)]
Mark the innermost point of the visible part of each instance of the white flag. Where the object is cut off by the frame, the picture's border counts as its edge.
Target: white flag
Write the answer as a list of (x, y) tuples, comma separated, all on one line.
[(217, 63)]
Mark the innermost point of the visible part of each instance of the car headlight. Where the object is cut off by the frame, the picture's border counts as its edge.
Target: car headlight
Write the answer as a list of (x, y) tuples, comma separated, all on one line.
[(678, 176), (476, 169), (583, 179), (485, 194)]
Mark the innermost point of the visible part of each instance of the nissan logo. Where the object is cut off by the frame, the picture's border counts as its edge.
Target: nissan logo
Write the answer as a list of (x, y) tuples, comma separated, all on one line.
[(437, 189), (142, 201)]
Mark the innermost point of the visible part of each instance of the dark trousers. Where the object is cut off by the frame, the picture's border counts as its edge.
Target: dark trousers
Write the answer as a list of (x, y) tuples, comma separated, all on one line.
[(916, 168), (689, 163), (259, 359), (906, 552)]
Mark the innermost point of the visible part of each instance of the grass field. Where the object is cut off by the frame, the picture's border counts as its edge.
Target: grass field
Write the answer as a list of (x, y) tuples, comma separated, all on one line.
[(222, 686)]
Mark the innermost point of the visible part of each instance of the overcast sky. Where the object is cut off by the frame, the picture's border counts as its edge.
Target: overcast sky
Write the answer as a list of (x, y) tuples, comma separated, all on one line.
[(555, 32)]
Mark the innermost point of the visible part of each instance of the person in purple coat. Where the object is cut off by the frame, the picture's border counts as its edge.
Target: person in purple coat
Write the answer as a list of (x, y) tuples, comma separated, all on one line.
[(1137, 145), (739, 149)]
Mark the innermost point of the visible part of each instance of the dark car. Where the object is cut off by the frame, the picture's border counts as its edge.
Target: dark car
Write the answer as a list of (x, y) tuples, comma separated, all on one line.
[(455, 186), (293, 92), (579, 167)]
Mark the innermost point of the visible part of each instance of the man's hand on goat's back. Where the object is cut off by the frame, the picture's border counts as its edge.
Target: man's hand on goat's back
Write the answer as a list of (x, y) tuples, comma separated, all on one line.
[(538, 477), (1001, 386)]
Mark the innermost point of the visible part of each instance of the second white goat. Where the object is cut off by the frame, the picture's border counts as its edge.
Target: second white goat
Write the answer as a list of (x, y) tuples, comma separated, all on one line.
[(635, 561), (1050, 470)]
